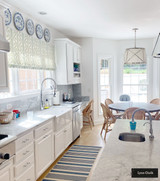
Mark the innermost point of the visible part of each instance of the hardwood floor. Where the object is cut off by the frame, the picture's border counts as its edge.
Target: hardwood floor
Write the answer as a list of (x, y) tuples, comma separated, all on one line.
[(88, 137)]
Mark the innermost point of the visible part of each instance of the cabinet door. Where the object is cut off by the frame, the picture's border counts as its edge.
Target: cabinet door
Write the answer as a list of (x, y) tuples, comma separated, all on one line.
[(6, 173), (43, 153), (76, 54), (3, 64), (68, 135), (70, 63), (59, 143)]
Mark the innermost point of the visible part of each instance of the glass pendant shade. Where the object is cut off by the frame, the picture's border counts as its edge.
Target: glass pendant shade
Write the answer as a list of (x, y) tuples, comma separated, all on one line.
[(135, 55)]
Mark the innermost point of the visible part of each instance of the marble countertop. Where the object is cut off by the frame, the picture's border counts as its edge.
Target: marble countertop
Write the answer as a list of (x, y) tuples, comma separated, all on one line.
[(23, 123), (119, 157)]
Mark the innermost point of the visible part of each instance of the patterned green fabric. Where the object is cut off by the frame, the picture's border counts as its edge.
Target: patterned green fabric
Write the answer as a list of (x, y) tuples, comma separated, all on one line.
[(28, 51)]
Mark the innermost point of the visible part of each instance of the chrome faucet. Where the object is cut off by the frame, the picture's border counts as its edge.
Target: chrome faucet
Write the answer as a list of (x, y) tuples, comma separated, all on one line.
[(41, 94), (150, 118)]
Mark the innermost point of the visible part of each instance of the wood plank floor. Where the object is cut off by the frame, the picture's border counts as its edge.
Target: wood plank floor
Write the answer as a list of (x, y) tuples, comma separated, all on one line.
[(88, 137)]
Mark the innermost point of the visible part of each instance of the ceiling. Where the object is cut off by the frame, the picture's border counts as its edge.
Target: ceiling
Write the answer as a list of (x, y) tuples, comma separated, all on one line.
[(111, 19)]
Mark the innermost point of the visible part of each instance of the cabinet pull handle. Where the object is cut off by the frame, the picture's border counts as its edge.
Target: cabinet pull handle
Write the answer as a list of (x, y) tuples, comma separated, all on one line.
[(45, 129), (24, 166), (45, 136)]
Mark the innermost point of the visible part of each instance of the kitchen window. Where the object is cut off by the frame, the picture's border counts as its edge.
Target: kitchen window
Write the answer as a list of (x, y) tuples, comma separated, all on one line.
[(30, 61), (135, 82)]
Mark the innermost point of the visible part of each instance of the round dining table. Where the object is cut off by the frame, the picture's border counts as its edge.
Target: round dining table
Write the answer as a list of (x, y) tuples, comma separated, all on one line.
[(122, 106)]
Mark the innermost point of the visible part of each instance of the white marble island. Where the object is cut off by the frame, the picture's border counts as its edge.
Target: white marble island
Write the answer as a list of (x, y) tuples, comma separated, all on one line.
[(119, 157)]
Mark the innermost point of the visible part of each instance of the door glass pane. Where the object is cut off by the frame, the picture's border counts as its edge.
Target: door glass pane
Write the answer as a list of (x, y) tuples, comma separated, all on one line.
[(104, 80)]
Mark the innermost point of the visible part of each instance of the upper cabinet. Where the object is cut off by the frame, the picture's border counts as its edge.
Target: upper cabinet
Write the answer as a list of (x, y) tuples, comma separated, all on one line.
[(67, 55), (3, 62)]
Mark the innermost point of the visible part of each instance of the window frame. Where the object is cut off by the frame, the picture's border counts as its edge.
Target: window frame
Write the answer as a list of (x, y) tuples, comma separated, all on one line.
[(138, 85), (110, 62)]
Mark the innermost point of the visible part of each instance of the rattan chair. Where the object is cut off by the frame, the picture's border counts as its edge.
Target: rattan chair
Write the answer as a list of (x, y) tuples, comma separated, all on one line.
[(116, 114), (88, 114), (138, 115), (108, 119), (155, 114)]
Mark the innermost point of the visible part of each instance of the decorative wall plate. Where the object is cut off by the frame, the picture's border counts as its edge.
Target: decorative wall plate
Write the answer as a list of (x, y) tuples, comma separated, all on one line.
[(8, 17), (39, 31), (18, 21), (30, 27), (47, 36)]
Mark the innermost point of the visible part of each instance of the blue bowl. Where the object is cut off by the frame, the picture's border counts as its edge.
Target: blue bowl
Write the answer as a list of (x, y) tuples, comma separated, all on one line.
[(132, 125)]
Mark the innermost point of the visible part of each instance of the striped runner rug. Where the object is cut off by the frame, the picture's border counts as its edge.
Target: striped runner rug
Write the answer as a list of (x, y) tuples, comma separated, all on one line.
[(75, 164)]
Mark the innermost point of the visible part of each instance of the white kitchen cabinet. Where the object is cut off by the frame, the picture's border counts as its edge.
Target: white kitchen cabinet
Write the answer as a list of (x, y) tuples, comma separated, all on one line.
[(44, 153), (44, 157), (67, 55), (24, 157), (6, 171), (62, 132), (4, 86), (76, 54), (68, 135), (59, 143), (63, 139)]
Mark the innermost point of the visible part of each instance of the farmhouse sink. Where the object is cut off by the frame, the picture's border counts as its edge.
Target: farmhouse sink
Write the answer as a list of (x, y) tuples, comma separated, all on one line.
[(132, 137)]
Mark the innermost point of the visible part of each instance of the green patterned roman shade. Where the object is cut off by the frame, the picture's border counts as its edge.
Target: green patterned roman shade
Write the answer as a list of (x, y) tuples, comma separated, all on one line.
[(28, 51)]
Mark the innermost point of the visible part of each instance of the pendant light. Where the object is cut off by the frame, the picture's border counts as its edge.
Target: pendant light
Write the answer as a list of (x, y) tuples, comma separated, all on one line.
[(156, 48), (135, 55)]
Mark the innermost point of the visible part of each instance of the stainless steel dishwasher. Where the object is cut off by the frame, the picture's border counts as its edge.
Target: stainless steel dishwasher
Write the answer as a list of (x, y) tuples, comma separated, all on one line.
[(76, 121)]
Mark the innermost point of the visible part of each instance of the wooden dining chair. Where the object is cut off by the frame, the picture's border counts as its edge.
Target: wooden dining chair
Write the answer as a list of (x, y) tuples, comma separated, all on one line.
[(108, 101), (117, 114), (138, 115), (154, 101), (108, 119), (88, 114)]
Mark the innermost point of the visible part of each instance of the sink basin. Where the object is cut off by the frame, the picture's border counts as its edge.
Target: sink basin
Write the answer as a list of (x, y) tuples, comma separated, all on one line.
[(132, 137), (2, 136)]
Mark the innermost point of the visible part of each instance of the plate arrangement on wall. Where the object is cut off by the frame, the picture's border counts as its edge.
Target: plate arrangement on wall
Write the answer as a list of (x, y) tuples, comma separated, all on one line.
[(30, 27), (39, 31), (18, 21), (8, 17), (47, 36)]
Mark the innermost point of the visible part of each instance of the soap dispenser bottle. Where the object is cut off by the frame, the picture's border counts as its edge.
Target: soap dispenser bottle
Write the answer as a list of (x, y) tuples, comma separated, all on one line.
[(46, 104)]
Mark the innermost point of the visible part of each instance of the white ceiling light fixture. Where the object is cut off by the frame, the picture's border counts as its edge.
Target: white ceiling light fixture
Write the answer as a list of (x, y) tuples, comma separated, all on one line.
[(135, 55)]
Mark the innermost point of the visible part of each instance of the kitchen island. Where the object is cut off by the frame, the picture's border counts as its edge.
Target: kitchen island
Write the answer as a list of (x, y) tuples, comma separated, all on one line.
[(119, 157)]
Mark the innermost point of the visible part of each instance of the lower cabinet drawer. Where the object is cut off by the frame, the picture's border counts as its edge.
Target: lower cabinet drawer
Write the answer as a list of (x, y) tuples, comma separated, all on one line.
[(28, 175), (24, 141), (24, 153), (22, 167), (44, 129)]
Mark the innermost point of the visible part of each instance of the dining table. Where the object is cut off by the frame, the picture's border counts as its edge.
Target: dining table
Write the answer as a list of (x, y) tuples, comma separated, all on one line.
[(123, 105)]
